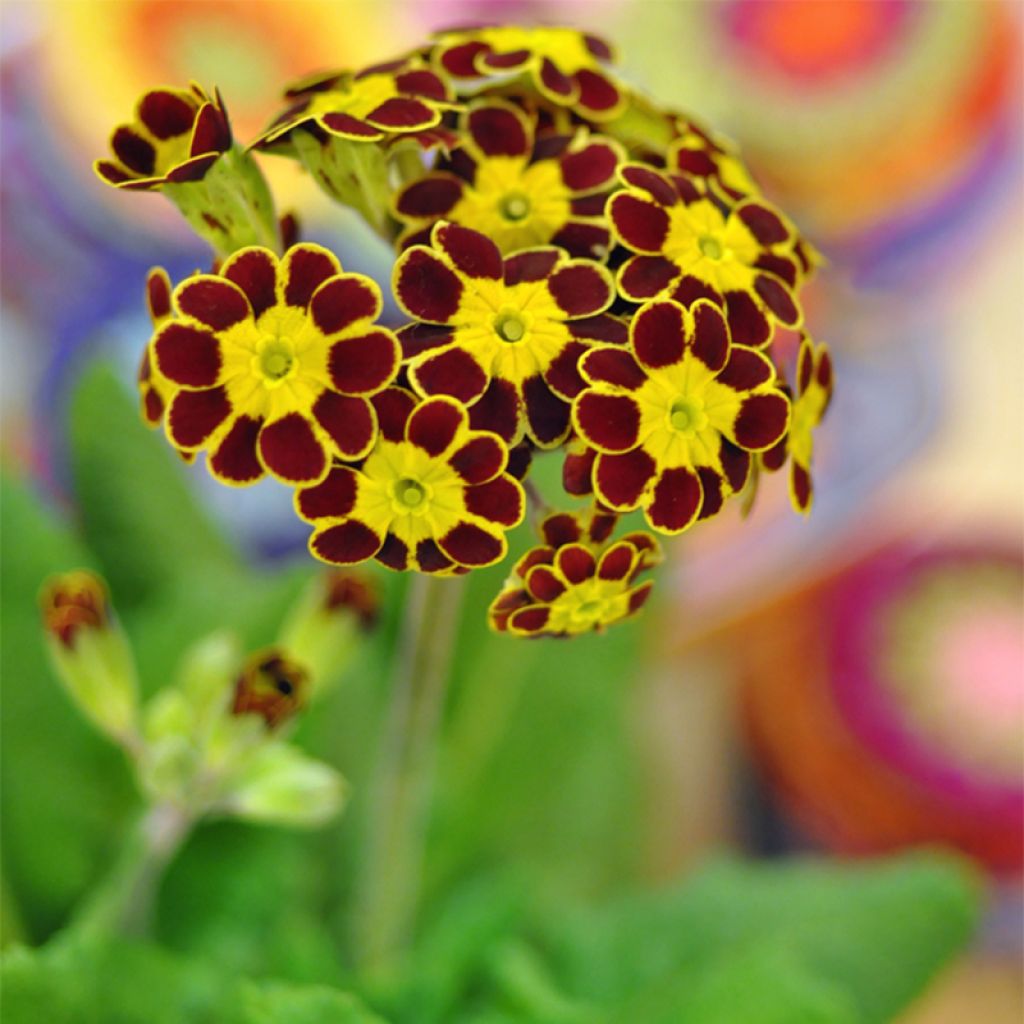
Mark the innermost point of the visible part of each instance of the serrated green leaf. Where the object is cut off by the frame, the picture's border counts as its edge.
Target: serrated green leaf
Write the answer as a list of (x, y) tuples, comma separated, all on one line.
[(138, 514)]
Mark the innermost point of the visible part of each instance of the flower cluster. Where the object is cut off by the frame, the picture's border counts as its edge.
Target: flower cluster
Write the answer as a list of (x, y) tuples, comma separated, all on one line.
[(579, 271)]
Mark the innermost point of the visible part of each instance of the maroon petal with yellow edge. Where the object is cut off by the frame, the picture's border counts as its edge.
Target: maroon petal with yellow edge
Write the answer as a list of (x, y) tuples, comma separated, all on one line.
[(563, 375), (255, 272), (304, 268), (430, 197), (613, 366), (779, 299), (556, 84), (498, 410), (676, 500), (746, 369), (393, 406), (194, 415), (543, 584), (348, 127), (394, 553), (761, 421), (234, 459), (343, 301), (452, 371), (617, 562), (598, 95), (403, 113), (499, 130), (531, 265), (577, 472), (430, 558), (621, 481), (710, 335), (658, 334), (212, 301), (480, 459), (349, 421), (364, 364), (656, 185), (291, 451), (575, 562), (434, 425), (581, 288), (644, 277), (426, 287), (470, 545), (474, 254), (531, 619), (333, 498), (189, 356), (610, 423), (158, 294), (764, 223), (800, 487), (641, 223), (347, 543), (748, 324), (591, 167), (547, 415), (498, 501)]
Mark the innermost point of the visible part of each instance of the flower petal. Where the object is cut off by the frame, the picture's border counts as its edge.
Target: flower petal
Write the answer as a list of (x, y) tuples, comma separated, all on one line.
[(644, 277), (403, 112), (189, 356), (304, 268), (290, 449), (212, 301), (234, 460), (613, 366), (194, 415), (450, 372), (658, 334), (499, 130), (610, 423), (575, 562), (344, 300), (474, 254), (333, 498), (590, 167), (498, 501), (480, 459), (434, 425), (393, 406), (254, 270), (426, 287), (471, 545), (675, 501), (640, 223), (710, 335), (531, 265), (364, 364), (761, 421), (622, 480), (346, 543), (582, 288), (547, 416), (349, 421), (430, 197)]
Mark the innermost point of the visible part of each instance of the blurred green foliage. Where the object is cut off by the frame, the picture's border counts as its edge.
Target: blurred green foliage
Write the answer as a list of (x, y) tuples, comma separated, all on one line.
[(537, 815)]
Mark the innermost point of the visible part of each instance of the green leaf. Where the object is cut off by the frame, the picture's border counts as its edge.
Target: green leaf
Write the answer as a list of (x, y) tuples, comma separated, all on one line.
[(138, 513), (67, 792), (856, 943), (72, 982)]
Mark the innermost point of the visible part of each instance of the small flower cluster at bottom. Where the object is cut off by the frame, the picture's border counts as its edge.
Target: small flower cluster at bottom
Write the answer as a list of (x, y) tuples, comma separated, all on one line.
[(578, 581)]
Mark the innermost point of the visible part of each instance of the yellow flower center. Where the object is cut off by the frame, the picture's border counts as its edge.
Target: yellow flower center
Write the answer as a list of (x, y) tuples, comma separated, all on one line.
[(276, 360), (514, 206), (510, 327), (410, 494), (711, 247), (687, 415)]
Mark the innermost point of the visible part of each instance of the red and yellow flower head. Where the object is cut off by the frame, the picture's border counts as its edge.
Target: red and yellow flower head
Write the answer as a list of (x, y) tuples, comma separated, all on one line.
[(578, 581), (690, 244), (433, 494), (519, 189), (273, 363), (177, 136), (675, 415), (566, 67), (502, 336)]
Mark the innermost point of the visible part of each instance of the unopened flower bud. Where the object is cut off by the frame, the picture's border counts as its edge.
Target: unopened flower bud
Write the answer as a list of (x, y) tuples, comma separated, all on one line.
[(270, 685), (280, 785), (90, 652), (322, 630)]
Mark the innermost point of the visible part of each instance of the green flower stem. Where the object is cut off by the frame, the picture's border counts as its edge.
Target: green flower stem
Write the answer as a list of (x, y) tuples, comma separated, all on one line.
[(123, 905), (388, 890)]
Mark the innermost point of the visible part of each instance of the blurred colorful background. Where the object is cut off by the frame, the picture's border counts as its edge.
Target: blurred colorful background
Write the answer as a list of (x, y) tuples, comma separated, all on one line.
[(852, 683)]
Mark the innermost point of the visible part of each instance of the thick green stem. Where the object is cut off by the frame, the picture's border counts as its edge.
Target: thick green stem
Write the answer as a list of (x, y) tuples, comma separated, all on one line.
[(123, 905), (387, 897)]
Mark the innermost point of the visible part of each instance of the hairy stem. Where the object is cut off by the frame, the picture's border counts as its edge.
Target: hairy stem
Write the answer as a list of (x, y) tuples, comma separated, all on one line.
[(123, 905), (386, 901)]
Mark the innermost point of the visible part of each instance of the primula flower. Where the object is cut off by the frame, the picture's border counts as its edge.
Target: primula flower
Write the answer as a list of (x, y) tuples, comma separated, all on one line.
[(813, 395), (674, 416), (565, 66), (273, 363), (576, 582), (270, 685), (176, 137), (517, 189), (432, 495), (505, 336), (381, 102), (690, 244)]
